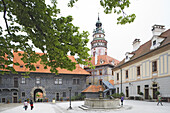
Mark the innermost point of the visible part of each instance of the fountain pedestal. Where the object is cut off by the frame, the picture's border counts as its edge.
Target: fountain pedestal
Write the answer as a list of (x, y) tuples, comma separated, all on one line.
[(102, 103)]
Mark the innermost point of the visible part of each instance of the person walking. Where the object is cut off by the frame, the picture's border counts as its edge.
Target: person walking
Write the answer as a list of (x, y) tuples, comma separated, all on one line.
[(25, 105), (31, 104), (122, 98), (159, 100)]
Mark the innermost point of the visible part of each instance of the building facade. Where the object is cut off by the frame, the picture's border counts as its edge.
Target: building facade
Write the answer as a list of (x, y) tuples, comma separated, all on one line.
[(146, 70), (15, 87)]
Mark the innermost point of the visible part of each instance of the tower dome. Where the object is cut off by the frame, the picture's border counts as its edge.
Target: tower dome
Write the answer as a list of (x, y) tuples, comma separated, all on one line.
[(98, 23)]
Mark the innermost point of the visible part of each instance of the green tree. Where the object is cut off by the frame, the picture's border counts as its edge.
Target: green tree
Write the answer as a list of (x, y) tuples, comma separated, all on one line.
[(33, 20)]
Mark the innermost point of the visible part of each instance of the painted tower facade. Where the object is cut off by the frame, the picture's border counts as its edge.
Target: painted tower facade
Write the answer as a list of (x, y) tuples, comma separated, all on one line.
[(99, 44)]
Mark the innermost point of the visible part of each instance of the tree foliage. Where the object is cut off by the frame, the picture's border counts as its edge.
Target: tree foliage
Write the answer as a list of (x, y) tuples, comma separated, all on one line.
[(33, 20)]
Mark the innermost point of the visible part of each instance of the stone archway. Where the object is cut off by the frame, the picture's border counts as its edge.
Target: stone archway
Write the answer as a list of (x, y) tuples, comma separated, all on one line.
[(37, 89)]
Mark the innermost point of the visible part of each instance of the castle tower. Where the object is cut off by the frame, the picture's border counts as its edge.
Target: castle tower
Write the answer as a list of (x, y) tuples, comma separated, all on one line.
[(99, 44)]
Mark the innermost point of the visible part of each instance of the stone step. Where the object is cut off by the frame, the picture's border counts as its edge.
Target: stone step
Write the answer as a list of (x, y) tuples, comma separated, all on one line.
[(83, 107)]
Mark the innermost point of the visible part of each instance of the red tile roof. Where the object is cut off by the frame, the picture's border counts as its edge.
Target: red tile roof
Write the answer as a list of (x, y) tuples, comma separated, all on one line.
[(94, 88), (41, 69), (107, 60)]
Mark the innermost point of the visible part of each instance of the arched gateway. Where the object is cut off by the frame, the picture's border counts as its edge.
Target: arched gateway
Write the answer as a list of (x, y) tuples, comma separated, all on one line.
[(38, 92)]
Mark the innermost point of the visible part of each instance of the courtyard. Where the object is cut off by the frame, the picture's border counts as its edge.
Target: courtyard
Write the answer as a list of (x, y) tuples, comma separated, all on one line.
[(130, 106)]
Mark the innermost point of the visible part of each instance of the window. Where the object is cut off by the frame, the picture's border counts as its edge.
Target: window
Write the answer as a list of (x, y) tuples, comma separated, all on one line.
[(100, 81), (95, 72), (154, 85), (117, 89), (126, 57), (16, 82), (154, 66), (76, 81), (21, 66), (138, 70), (15, 93), (23, 94), (58, 81), (138, 89), (37, 80), (76, 93), (146, 86), (67, 81), (112, 72), (64, 94), (100, 72), (154, 42), (117, 76), (126, 74), (23, 80), (93, 53)]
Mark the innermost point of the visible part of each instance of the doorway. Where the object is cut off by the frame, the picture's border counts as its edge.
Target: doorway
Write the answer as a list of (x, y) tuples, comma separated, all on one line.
[(38, 95), (15, 99), (57, 96), (154, 91), (127, 92), (146, 91)]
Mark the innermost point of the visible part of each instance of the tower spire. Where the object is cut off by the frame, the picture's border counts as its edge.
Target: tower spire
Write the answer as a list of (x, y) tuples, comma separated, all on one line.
[(98, 17)]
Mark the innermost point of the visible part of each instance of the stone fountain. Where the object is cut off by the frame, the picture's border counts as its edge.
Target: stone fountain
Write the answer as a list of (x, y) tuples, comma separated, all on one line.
[(101, 103)]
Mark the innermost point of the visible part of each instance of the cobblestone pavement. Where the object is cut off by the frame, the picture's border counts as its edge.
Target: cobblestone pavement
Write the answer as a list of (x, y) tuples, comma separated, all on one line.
[(130, 106)]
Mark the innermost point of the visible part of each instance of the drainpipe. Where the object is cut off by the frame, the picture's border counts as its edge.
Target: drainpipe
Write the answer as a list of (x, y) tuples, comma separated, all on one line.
[(93, 76), (121, 79)]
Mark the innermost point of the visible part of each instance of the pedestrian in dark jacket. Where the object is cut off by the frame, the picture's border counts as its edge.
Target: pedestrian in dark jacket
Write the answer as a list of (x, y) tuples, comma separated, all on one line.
[(122, 98), (31, 104)]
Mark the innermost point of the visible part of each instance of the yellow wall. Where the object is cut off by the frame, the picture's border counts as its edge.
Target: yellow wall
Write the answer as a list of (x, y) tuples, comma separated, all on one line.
[(163, 68)]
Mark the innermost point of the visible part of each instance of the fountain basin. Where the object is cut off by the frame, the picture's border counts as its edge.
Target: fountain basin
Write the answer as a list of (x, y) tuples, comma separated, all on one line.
[(95, 103)]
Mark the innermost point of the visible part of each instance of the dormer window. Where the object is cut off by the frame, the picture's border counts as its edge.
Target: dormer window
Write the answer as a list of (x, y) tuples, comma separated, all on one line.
[(101, 61), (21, 66), (113, 62), (154, 42), (37, 67)]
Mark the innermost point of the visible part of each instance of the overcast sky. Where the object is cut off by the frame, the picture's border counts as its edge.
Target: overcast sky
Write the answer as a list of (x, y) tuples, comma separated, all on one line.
[(119, 37)]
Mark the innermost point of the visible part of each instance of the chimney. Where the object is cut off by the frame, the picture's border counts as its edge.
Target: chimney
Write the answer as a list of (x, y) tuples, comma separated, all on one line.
[(136, 44), (157, 29)]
